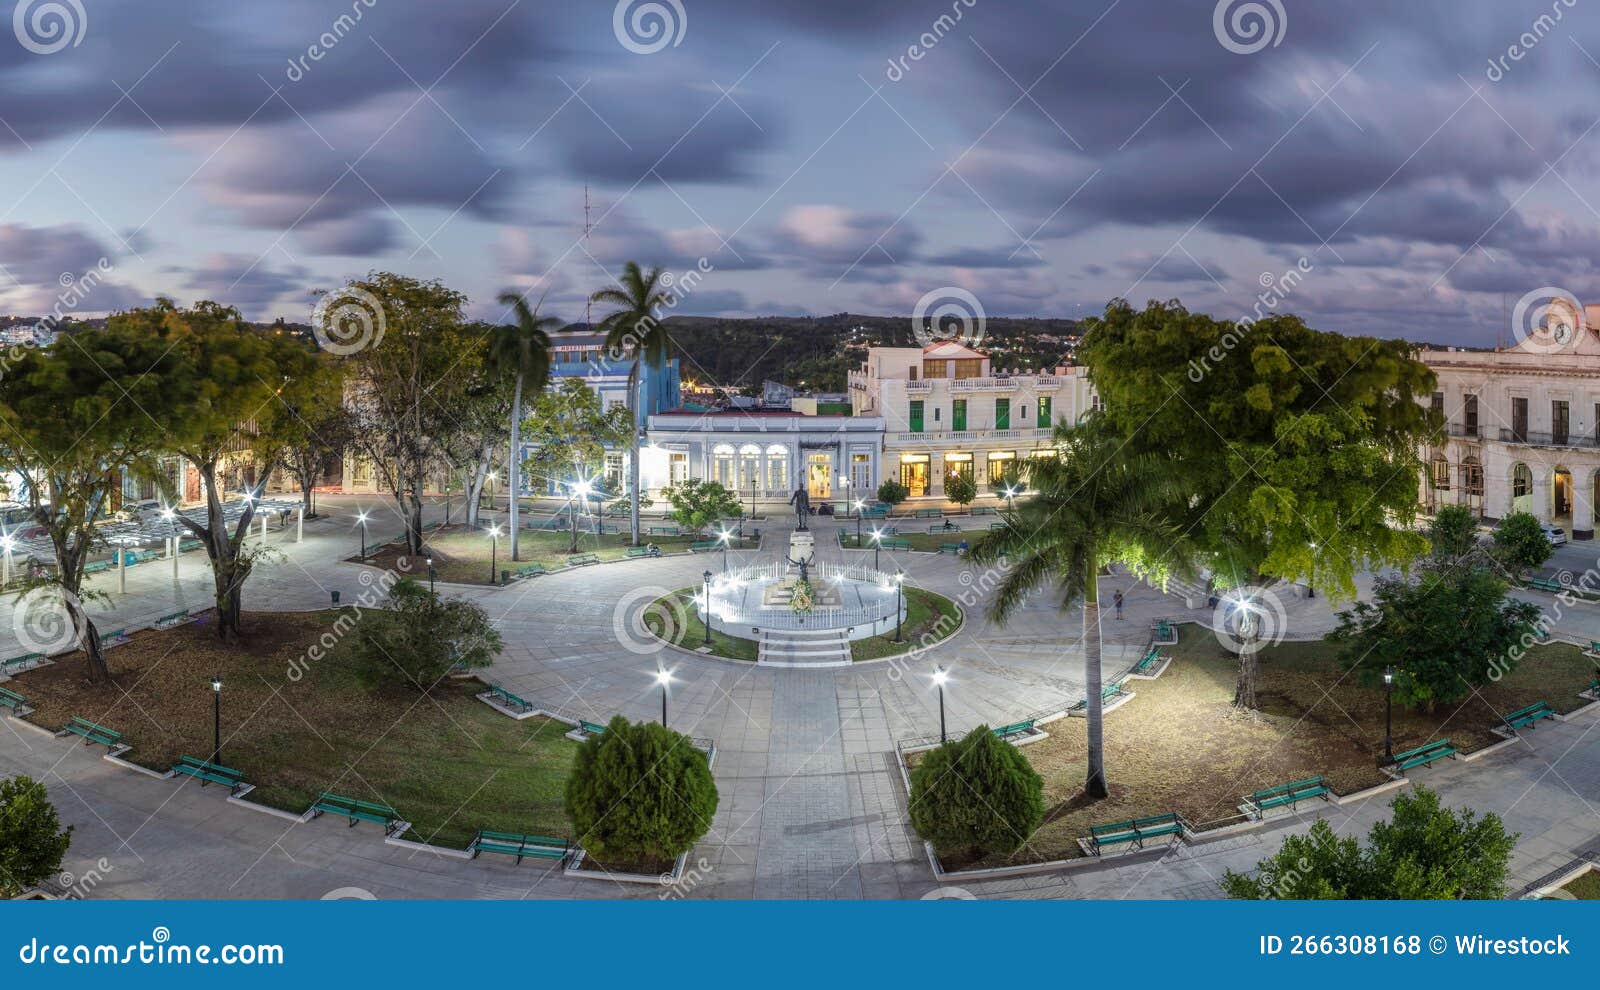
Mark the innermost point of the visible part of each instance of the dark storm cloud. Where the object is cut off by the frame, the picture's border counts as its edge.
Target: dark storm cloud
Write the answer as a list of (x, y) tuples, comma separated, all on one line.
[(252, 285)]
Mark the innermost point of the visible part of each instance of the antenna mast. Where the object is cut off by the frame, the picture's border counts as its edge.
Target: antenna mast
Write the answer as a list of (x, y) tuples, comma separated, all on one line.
[(588, 323)]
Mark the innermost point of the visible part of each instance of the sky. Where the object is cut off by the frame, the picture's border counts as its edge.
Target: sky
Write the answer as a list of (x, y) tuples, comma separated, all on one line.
[(1421, 165)]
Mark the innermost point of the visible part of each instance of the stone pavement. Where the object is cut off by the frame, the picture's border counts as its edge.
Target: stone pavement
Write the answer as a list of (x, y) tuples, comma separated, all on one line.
[(812, 804)]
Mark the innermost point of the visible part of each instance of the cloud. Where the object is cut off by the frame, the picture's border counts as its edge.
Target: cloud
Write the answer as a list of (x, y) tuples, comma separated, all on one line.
[(259, 291)]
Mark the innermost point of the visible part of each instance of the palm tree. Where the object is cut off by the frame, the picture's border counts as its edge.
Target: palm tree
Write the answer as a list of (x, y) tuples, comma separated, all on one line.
[(520, 351), (1094, 506), (635, 330)]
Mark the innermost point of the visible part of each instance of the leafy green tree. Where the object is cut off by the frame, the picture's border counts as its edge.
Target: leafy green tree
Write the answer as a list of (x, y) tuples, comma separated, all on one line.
[(520, 352), (75, 417), (1295, 451), (959, 488), (699, 504), (640, 792), (32, 841), (483, 439), (1520, 543), (417, 637), (635, 329), (1447, 632), (1426, 852), (569, 431), (892, 492), (976, 796), (1095, 506), (311, 440), (1453, 533)]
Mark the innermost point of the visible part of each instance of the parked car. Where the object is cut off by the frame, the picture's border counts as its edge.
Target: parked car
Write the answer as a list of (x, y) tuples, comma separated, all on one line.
[(1555, 534)]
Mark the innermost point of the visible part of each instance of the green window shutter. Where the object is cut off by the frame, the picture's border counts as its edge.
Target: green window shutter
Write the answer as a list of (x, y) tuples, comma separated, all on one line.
[(916, 416), (958, 414), (1044, 412), (1002, 414)]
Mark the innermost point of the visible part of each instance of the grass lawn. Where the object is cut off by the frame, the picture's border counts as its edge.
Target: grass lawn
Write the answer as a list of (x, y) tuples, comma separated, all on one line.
[(1178, 745), (462, 555), (929, 619), (673, 617), (1585, 886), (447, 763)]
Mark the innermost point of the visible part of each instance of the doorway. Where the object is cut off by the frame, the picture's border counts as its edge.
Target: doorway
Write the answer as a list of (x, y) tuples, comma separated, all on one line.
[(819, 476)]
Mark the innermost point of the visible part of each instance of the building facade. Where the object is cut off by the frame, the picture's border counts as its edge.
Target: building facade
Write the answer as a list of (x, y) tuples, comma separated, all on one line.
[(1523, 425), (946, 412)]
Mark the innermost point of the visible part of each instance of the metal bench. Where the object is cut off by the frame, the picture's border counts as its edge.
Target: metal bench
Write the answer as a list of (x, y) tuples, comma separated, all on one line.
[(580, 559), (1164, 632), (1150, 660), (1545, 584), (518, 845), (18, 663), (212, 773), (895, 543), (929, 513), (1526, 717), (356, 811), (1135, 830), (702, 546), (633, 553), (995, 527), (510, 699), (531, 570), (1005, 732), (954, 548), (984, 510), (115, 637), (1106, 694), (12, 700), (1290, 794), (1424, 755), (663, 531), (93, 733), (591, 728)]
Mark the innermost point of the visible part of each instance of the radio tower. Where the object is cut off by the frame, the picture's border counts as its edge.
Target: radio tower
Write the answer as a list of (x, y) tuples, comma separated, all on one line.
[(588, 324)]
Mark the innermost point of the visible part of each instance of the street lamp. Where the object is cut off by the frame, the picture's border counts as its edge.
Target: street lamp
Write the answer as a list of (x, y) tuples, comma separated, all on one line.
[(877, 544), (663, 676), (858, 505), (706, 615), (494, 551), (361, 517), (899, 581), (724, 537), (1011, 498), (433, 575), (1388, 716), (216, 720), (939, 677)]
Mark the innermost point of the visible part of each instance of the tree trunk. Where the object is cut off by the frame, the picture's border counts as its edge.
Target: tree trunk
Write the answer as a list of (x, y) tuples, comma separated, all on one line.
[(514, 460), (412, 507), (1244, 693), (89, 637), (307, 510), (572, 545), (474, 491), (633, 449), (1094, 783)]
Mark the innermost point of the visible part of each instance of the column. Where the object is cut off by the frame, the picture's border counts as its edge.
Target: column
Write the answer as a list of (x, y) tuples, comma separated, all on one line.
[(1582, 504), (1540, 502), (300, 521)]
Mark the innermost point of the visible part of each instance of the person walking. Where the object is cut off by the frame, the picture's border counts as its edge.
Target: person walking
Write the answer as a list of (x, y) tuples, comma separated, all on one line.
[(1116, 599)]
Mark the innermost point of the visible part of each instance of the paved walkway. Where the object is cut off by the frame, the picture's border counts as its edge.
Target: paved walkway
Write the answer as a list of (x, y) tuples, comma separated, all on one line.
[(812, 805)]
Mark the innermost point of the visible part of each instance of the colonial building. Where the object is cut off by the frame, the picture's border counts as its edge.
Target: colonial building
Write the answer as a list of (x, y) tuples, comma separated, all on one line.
[(946, 412), (764, 455), (1523, 428)]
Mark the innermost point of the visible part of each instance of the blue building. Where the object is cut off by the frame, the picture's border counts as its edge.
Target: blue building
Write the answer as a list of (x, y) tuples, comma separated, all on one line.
[(582, 354)]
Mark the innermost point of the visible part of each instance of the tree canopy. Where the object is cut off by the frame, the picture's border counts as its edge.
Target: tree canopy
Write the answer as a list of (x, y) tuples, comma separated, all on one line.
[(640, 793), (976, 796)]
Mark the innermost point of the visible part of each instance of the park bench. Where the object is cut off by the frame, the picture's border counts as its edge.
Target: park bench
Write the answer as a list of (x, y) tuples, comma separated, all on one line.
[(895, 543), (1005, 732), (18, 663), (1594, 648), (531, 570), (984, 510), (1594, 688), (96, 566), (356, 811), (12, 700), (184, 546), (954, 548), (1164, 632), (1545, 584), (510, 699), (1526, 717), (995, 527), (633, 553), (943, 527), (174, 619), (929, 513), (1150, 659), (1290, 794), (210, 773), (591, 728), (115, 637), (618, 509), (580, 559), (1134, 830), (518, 845), (663, 531), (702, 546), (1106, 694), (878, 511), (1424, 755), (92, 733)]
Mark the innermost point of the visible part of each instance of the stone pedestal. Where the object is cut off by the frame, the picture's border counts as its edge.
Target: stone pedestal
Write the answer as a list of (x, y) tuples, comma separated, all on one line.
[(801, 545)]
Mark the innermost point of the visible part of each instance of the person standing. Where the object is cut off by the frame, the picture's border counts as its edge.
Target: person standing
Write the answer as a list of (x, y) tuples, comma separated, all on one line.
[(1116, 599)]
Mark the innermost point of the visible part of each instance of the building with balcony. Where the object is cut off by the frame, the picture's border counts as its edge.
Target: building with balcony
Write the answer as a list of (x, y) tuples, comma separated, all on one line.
[(1523, 425), (946, 412)]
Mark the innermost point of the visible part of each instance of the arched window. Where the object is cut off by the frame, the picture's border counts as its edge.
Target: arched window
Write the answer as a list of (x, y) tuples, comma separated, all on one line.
[(777, 468), (1440, 472), (749, 466), (722, 464), (1521, 481)]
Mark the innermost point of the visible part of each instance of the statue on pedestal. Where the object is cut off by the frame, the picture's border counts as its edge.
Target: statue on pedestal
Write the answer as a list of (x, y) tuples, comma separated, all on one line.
[(804, 563), (802, 507)]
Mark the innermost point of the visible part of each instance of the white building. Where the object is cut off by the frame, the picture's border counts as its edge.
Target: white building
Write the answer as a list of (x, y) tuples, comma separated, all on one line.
[(946, 412), (764, 455), (1524, 425)]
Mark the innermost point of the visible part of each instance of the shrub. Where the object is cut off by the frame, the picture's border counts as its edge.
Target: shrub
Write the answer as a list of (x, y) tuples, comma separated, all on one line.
[(959, 488), (976, 796), (640, 792), (698, 504), (892, 492), (1453, 533), (32, 840), (1427, 852), (1520, 543), (417, 637)]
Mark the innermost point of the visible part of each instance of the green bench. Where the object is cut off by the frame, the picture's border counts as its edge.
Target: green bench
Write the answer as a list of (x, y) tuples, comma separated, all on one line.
[(184, 546), (701, 546), (663, 531), (878, 511), (1424, 755), (984, 510), (518, 845), (13, 701), (96, 566), (940, 528), (1526, 717), (1545, 584), (1287, 794), (173, 619), (531, 570), (92, 733), (210, 773), (356, 811), (950, 548), (1106, 694), (1135, 830), (511, 700), (1150, 660), (115, 637), (25, 660), (1005, 732), (1594, 688), (591, 728), (580, 559), (995, 527), (895, 543), (633, 553), (929, 513), (1164, 631)]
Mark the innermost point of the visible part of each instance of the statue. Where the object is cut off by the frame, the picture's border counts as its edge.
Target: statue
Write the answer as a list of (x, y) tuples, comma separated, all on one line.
[(802, 507), (804, 563)]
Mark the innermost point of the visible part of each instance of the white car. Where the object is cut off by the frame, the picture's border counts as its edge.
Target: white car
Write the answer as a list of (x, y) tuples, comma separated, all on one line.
[(1555, 534)]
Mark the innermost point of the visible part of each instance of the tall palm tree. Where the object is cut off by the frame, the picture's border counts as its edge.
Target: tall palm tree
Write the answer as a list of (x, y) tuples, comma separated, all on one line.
[(520, 351), (634, 329), (1094, 506)]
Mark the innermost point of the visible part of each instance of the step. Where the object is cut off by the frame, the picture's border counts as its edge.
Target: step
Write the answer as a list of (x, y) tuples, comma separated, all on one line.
[(796, 634)]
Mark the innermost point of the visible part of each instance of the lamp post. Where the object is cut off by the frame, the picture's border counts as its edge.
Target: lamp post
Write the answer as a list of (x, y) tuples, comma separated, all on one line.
[(899, 581), (724, 537), (939, 677), (706, 615), (662, 677), (216, 720), (858, 505), (877, 544), (1388, 716), (494, 551), (361, 517), (433, 575), (1011, 499)]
